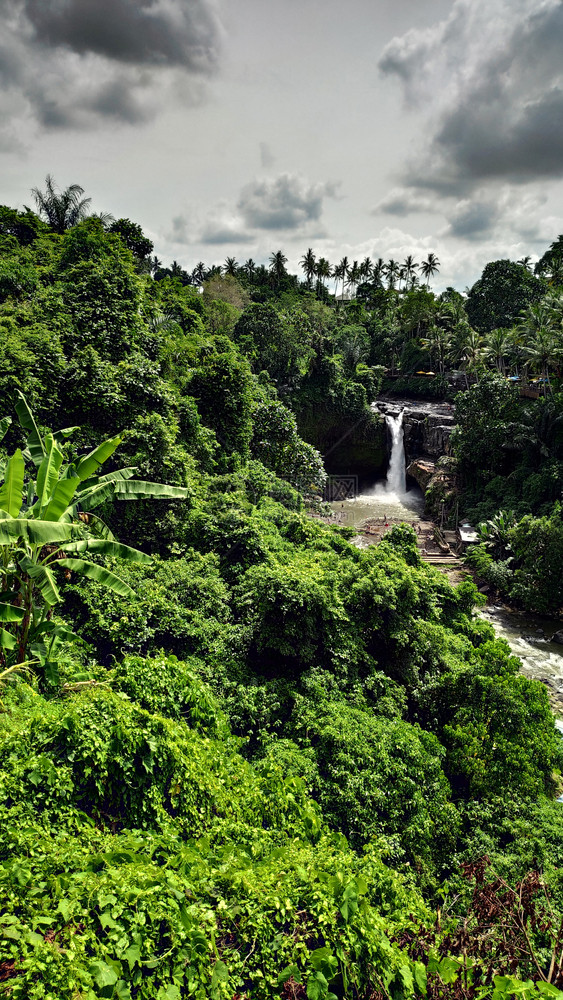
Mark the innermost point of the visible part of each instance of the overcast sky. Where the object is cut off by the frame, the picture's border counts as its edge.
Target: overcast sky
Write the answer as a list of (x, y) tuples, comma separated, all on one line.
[(240, 127)]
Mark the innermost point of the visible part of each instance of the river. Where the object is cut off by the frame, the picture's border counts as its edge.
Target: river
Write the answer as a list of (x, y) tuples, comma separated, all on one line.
[(529, 639), (527, 635)]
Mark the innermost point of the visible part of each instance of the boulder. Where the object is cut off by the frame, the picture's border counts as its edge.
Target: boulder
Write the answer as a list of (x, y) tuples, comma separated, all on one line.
[(558, 637), (421, 471)]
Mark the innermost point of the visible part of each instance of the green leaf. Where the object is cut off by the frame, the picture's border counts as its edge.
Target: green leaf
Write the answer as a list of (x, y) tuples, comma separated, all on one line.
[(448, 970), (133, 956), (43, 578), (7, 641), (103, 975), (8, 613), (48, 473), (317, 986), (108, 548), (12, 488), (127, 490), (35, 531), (92, 462), (220, 973), (287, 973), (420, 977), (60, 500), (169, 993), (94, 572), (34, 439)]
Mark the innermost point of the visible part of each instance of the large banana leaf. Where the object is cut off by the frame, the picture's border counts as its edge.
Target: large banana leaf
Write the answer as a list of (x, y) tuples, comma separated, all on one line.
[(137, 488), (7, 641), (9, 613), (48, 473), (60, 500), (43, 579), (12, 487), (34, 440), (111, 477), (107, 548), (34, 531), (90, 464), (98, 573)]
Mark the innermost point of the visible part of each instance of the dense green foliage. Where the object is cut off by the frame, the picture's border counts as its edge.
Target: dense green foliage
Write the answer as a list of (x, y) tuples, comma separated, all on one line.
[(263, 753)]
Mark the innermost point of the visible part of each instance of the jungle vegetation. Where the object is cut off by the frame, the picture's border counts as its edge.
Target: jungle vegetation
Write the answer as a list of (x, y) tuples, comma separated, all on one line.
[(239, 757)]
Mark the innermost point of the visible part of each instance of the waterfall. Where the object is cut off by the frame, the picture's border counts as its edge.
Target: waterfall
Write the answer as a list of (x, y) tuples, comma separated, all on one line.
[(396, 474)]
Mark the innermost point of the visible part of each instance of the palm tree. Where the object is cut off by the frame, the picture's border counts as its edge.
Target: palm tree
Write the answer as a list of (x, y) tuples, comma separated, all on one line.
[(438, 343), (323, 271), (541, 344), (61, 209), (338, 275), (249, 268), (410, 267), (469, 349), (308, 265), (429, 267), (230, 267), (378, 271), (353, 277), (392, 272), (366, 269), (199, 273), (343, 268), (278, 260), (525, 262), (497, 345)]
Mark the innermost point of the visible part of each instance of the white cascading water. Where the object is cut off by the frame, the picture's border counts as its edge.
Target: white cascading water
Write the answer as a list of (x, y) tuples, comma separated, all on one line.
[(396, 482)]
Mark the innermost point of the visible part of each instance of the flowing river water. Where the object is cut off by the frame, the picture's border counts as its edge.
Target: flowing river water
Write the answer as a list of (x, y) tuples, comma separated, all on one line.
[(529, 636)]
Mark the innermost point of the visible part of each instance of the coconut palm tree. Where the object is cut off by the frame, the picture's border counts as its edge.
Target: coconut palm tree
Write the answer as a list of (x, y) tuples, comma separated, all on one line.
[(438, 343), (337, 275), (410, 267), (230, 267), (497, 344), (353, 277), (199, 273), (470, 348), (61, 209), (278, 260), (309, 266), (392, 272), (378, 271), (366, 269), (429, 267), (249, 268), (323, 271), (541, 344), (343, 268)]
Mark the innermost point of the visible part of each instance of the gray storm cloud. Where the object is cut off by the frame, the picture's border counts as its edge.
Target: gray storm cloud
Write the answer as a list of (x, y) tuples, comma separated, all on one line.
[(284, 202), (491, 79), (154, 32), (78, 62)]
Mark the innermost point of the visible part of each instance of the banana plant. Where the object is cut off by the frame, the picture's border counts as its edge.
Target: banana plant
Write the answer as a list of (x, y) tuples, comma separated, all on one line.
[(48, 530)]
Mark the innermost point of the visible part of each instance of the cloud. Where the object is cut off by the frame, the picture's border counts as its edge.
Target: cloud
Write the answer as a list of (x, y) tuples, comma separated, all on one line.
[(75, 63), (402, 201), (490, 78), (224, 231), (148, 32), (284, 202)]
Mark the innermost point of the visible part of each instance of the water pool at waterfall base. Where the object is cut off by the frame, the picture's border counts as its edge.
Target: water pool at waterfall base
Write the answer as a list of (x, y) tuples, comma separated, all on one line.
[(390, 500)]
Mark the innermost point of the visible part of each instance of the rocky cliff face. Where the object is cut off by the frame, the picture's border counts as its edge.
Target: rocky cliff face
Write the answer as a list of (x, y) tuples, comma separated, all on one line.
[(428, 426)]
